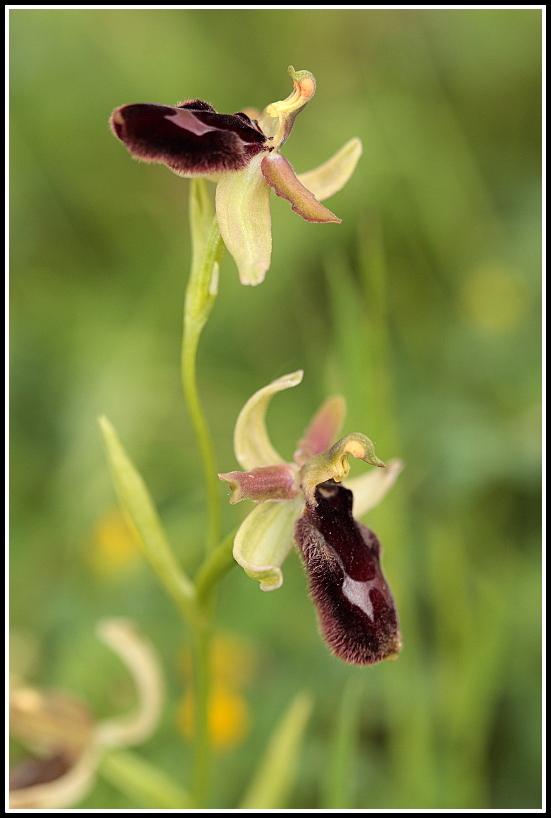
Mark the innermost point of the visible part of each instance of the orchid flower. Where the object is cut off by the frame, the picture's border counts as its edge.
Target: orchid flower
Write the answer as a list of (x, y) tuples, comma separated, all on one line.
[(66, 742), (242, 154), (304, 502)]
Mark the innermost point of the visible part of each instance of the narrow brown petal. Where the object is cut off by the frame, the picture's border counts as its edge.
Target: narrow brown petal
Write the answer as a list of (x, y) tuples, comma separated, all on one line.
[(356, 610), (275, 482), (280, 175)]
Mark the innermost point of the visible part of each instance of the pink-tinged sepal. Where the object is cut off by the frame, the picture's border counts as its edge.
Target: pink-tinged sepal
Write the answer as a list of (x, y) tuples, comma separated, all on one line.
[(323, 429), (356, 610), (275, 482), (192, 139), (279, 174)]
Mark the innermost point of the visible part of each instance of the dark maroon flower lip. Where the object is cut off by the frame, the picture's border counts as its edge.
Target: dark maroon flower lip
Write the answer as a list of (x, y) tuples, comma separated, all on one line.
[(356, 610), (191, 138)]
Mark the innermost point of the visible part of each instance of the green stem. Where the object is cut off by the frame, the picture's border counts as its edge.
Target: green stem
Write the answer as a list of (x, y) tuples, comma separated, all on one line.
[(218, 563), (202, 755), (203, 437), (201, 293)]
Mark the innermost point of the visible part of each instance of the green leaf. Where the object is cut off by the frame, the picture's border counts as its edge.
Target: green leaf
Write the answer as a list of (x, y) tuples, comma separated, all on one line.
[(278, 768), (142, 782), (137, 503), (336, 791)]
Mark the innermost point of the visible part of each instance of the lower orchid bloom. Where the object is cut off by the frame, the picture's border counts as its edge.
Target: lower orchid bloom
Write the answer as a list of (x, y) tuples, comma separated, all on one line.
[(242, 154), (65, 740), (303, 502)]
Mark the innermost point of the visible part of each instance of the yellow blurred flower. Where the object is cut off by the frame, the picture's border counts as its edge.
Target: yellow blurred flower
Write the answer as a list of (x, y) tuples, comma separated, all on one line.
[(233, 660), (228, 716), (495, 298), (115, 544), (233, 664)]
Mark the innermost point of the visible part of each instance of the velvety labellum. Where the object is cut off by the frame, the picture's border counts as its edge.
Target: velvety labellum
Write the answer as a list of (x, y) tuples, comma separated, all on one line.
[(355, 607), (192, 138)]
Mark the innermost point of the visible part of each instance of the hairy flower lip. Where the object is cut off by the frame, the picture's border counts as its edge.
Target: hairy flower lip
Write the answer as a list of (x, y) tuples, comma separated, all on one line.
[(356, 610), (190, 141)]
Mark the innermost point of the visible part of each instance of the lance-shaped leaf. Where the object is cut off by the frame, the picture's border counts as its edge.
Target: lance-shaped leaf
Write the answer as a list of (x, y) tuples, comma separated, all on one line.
[(279, 766), (138, 504)]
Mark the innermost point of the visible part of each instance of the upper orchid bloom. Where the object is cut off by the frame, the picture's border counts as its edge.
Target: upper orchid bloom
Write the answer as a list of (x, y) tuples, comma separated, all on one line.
[(303, 502), (243, 156)]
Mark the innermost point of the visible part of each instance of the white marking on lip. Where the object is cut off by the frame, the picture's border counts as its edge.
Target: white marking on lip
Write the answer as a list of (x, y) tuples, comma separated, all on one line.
[(189, 122), (358, 594)]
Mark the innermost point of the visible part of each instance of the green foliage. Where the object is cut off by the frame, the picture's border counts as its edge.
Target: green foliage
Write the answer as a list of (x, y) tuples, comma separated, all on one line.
[(422, 308)]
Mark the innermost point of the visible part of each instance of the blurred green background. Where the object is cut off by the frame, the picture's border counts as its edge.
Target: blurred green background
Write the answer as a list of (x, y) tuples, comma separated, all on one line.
[(422, 308)]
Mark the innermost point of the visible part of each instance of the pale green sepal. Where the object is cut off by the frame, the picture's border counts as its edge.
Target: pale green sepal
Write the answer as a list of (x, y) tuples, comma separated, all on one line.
[(265, 539), (243, 211), (279, 766), (370, 488), (333, 464), (139, 656), (138, 505), (251, 442), (330, 177)]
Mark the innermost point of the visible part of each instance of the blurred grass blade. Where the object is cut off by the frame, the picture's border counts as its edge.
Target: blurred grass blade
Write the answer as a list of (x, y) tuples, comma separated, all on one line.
[(144, 784), (138, 505), (336, 792), (277, 770)]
